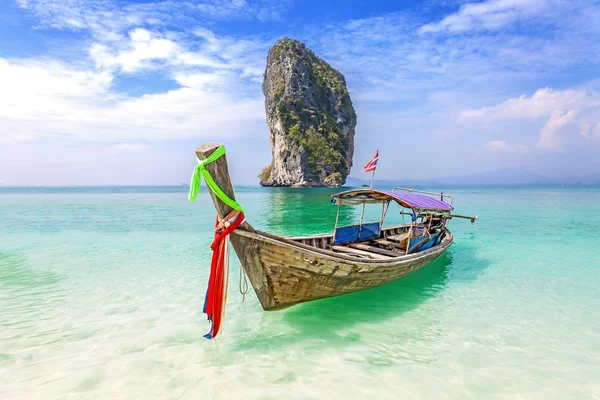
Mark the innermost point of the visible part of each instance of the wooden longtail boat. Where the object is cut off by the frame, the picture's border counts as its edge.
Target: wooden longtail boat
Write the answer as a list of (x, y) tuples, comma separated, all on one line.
[(285, 271)]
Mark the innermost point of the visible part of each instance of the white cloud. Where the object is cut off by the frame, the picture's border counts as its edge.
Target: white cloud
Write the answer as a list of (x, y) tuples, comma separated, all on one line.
[(144, 46), (500, 146), (43, 92), (48, 98), (488, 15), (590, 131), (263, 10), (550, 138), (542, 103), (104, 17), (563, 110), (51, 99), (140, 35), (211, 55), (385, 59)]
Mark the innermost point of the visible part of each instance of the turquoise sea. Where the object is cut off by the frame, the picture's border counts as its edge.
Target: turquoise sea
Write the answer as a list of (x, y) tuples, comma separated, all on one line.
[(101, 293)]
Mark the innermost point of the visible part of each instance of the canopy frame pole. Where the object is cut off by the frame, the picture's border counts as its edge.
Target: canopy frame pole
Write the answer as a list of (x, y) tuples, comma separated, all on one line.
[(410, 231), (361, 217), (384, 208), (429, 227), (337, 217)]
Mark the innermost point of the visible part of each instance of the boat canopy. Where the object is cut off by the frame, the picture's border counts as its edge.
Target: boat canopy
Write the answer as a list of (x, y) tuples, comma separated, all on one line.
[(414, 201)]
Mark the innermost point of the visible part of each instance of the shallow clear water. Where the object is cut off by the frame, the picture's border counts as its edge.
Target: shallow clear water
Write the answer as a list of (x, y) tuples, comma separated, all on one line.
[(101, 293)]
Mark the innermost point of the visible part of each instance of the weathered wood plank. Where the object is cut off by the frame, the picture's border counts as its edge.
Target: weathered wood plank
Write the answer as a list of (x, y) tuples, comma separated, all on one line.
[(389, 243), (372, 249), (345, 249), (399, 238)]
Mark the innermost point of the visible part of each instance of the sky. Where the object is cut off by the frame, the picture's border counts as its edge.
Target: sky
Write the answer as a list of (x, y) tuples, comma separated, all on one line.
[(101, 92)]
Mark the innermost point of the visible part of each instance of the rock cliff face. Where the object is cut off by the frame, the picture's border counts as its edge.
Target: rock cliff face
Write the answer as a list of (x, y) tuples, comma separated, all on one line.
[(310, 117)]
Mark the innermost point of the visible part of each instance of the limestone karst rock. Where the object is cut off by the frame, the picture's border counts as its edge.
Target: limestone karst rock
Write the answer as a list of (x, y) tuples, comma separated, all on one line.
[(310, 117)]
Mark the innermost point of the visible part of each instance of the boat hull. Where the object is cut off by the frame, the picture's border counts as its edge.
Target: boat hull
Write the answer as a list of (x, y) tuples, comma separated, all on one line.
[(284, 273)]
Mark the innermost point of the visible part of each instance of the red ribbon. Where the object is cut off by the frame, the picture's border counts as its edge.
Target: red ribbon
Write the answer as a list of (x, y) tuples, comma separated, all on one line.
[(214, 306)]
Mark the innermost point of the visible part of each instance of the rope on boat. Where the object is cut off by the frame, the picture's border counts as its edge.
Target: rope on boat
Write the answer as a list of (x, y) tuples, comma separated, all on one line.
[(216, 294), (243, 283)]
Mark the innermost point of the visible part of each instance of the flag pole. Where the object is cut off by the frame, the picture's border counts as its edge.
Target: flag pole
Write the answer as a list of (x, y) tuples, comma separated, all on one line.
[(373, 174)]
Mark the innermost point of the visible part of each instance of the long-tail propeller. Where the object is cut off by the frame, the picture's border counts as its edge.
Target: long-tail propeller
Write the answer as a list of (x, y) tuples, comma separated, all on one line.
[(473, 218)]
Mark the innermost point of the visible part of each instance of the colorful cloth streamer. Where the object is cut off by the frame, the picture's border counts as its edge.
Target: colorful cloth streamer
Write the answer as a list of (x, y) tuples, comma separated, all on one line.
[(216, 294), (201, 170)]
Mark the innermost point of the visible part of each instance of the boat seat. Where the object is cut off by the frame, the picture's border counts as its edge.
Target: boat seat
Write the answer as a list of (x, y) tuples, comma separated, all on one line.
[(398, 238), (388, 243), (372, 249), (359, 253)]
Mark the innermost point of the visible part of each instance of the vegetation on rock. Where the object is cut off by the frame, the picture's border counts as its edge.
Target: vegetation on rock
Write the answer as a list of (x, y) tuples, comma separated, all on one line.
[(265, 174)]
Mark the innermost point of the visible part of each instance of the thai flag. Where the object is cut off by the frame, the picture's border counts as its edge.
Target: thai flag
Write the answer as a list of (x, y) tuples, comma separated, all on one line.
[(372, 165)]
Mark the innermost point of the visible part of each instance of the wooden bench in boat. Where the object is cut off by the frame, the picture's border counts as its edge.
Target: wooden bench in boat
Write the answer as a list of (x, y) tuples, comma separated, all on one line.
[(400, 247), (360, 253), (372, 249), (391, 243), (386, 242), (398, 238)]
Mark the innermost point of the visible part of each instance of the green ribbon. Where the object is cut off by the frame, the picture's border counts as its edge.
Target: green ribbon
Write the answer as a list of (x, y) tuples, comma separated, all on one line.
[(201, 170)]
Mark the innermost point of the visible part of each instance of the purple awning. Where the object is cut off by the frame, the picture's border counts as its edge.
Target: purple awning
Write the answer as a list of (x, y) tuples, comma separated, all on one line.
[(409, 200), (420, 201)]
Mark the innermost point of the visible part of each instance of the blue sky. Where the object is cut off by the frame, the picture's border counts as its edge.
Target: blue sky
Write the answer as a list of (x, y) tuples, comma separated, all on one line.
[(121, 92)]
